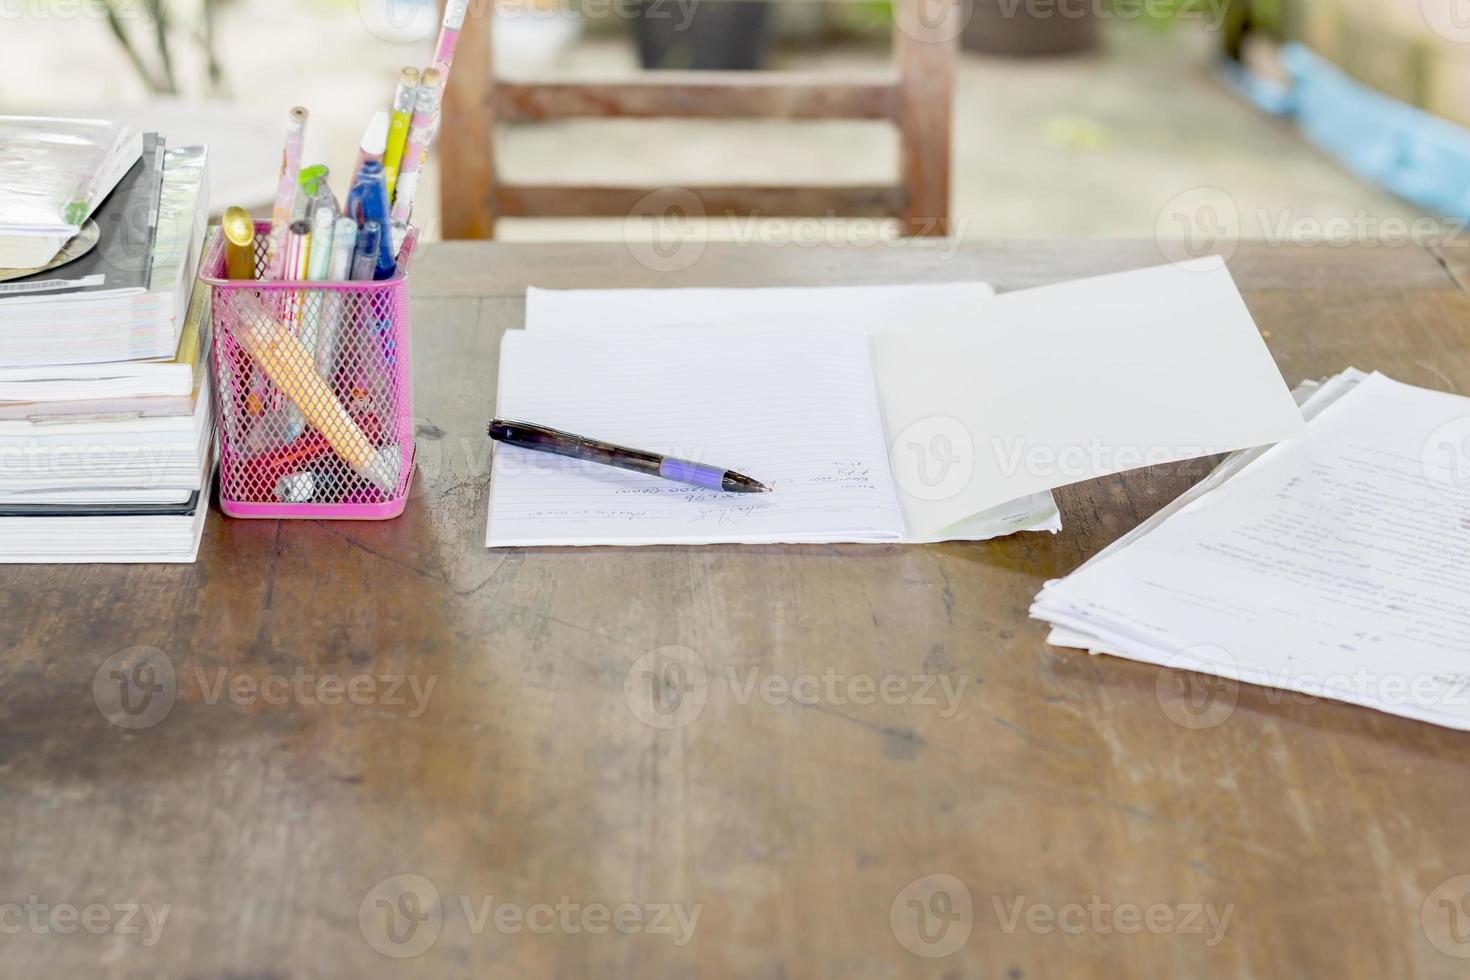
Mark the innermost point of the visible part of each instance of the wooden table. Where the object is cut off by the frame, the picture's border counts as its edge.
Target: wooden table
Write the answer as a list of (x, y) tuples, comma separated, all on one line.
[(546, 800)]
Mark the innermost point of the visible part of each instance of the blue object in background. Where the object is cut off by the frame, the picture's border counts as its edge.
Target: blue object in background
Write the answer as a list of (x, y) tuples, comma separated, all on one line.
[(1413, 153), (1267, 94)]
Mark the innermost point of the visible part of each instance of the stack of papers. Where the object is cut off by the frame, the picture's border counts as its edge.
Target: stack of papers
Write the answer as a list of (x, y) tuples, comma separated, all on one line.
[(1335, 565), (875, 417)]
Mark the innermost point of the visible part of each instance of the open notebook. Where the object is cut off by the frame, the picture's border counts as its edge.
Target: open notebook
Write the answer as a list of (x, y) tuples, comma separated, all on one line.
[(928, 431)]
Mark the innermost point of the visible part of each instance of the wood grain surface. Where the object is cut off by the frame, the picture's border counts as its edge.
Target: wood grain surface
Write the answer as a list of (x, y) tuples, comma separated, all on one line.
[(855, 757), (704, 95)]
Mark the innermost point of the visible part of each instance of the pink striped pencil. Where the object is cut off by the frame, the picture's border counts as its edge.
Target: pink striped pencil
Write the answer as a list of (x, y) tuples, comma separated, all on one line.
[(454, 12), (285, 193)]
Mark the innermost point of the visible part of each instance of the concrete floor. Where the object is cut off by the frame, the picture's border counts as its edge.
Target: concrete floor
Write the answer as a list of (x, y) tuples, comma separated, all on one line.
[(1138, 140)]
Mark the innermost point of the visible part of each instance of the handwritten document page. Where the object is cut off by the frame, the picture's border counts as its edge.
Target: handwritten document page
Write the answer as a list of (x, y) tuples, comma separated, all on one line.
[(1311, 396), (1337, 565), (863, 308), (797, 411), (1045, 387)]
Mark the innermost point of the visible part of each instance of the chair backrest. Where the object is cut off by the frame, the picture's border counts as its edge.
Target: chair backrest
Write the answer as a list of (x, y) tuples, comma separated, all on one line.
[(916, 97)]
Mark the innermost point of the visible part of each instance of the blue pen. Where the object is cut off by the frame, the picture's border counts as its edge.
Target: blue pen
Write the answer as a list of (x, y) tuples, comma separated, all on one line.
[(367, 203), (385, 338), (364, 262), (365, 253), (544, 439)]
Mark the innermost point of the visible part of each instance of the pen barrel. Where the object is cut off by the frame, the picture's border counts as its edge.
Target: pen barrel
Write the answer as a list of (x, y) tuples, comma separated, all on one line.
[(627, 459), (566, 444), (319, 259), (367, 202), (529, 435), (685, 471), (240, 260)]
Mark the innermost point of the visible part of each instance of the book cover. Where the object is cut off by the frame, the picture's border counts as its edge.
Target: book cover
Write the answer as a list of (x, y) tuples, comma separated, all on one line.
[(123, 259), (54, 172)]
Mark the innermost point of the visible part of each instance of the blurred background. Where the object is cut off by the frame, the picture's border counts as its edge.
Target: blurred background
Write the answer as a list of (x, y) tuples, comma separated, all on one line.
[(1339, 119)]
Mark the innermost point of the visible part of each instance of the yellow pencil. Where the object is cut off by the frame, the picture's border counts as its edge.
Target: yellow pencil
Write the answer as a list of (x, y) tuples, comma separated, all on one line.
[(398, 123)]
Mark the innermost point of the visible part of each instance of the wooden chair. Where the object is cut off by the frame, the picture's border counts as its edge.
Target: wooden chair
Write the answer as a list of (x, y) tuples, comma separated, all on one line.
[(916, 97)]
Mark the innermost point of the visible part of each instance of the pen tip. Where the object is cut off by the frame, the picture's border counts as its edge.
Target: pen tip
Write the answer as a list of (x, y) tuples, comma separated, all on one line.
[(740, 483)]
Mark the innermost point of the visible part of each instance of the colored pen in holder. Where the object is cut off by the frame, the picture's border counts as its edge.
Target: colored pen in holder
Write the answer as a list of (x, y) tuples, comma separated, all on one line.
[(367, 204), (333, 354)]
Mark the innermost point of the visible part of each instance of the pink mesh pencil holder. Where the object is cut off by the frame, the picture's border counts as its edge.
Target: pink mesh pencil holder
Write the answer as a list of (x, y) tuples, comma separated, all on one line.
[(312, 390)]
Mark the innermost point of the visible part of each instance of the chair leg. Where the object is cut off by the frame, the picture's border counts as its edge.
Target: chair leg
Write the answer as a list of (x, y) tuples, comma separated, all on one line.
[(924, 38), (467, 182)]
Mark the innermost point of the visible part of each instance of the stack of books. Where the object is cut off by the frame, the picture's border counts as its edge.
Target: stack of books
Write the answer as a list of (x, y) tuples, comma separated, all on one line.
[(106, 419)]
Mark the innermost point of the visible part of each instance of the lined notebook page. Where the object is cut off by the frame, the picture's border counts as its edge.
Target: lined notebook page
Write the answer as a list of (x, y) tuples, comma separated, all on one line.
[(797, 411), (866, 310)]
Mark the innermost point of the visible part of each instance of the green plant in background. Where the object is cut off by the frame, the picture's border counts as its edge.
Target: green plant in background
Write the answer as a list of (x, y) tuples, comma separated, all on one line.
[(1266, 16), (1162, 14), (874, 17), (158, 24), (865, 18), (1257, 19), (1269, 16)]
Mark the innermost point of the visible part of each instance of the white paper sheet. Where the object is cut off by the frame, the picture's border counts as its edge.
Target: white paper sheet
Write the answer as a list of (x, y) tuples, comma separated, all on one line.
[(863, 308), (758, 408), (1045, 387), (1311, 396), (1337, 565)]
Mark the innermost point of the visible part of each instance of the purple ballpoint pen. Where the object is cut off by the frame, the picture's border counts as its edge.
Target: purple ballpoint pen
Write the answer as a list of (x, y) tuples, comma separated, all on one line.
[(541, 438)]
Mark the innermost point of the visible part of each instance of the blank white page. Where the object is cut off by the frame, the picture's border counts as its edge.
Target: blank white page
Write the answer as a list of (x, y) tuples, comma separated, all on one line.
[(862, 308), (1045, 387), (797, 411)]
